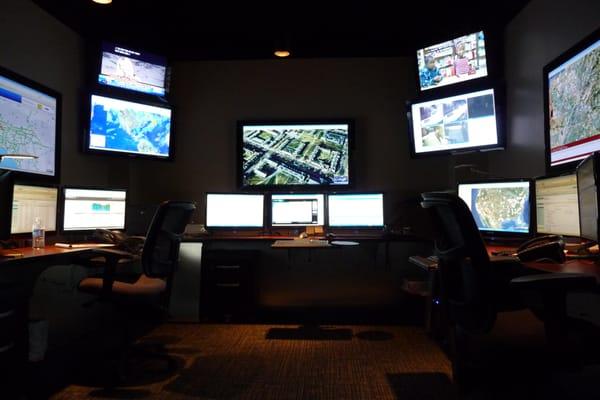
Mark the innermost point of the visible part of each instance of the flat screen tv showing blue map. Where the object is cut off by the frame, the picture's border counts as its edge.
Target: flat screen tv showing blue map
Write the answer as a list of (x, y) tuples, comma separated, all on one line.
[(127, 127), (29, 124), (498, 207), (132, 69)]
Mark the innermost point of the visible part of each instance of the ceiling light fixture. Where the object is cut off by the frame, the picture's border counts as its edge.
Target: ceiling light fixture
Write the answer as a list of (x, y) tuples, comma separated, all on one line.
[(281, 53), (102, 1)]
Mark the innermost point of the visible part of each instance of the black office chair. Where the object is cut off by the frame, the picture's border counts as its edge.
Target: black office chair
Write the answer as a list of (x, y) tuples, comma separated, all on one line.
[(475, 288), (159, 260)]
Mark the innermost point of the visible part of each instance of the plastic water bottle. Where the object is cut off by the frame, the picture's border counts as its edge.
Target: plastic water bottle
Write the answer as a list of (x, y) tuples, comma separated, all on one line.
[(37, 234)]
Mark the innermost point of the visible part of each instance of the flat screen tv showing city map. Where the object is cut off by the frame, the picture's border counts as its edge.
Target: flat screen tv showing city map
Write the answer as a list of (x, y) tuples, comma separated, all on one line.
[(572, 103), (128, 127), (131, 69), (498, 207), (294, 154), (29, 124)]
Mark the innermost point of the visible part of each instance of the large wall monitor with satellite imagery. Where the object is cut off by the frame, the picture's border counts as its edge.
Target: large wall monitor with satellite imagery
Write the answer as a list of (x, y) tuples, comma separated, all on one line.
[(128, 127), (29, 124), (458, 123), (453, 61), (572, 113), (132, 69), (499, 207), (294, 154)]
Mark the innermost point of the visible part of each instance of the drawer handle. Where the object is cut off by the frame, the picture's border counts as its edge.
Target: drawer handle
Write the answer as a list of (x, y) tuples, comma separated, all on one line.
[(228, 285), (7, 314), (227, 267), (6, 348)]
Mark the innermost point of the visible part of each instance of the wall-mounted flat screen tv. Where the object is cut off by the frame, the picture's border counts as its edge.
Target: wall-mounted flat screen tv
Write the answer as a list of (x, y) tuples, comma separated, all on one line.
[(453, 61), (294, 154), (572, 105), (128, 127), (29, 124), (130, 69), (459, 123)]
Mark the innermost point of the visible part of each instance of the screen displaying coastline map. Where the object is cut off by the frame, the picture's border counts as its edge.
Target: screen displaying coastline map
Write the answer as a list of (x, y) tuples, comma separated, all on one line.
[(28, 124), (574, 106), (498, 206), (129, 127), (295, 154)]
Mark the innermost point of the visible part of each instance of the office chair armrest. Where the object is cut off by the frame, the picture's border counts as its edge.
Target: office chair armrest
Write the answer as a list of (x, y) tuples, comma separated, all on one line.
[(113, 257), (564, 282)]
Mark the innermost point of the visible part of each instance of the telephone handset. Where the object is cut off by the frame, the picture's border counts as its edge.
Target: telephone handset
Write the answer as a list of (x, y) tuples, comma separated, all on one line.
[(131, 244), (542, 247)]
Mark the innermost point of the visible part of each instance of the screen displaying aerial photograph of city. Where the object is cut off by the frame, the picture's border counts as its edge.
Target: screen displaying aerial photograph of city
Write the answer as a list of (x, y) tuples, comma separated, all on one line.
[(574, 107), (295, 154)]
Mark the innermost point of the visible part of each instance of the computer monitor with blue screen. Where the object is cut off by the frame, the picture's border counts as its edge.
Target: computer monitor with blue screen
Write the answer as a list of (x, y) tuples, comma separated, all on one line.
[(29, 124), (232, 210), (355, 210), (89, 209), (499, 207), (30, 202), (297, 209), (127, 127), (557, 206)]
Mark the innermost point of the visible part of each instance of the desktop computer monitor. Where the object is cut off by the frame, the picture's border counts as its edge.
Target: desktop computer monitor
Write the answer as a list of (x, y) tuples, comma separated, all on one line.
[(557, 206), (89, 209), (363, 210), (231, 210), (498, 207), (30, 202), (297, 209), (587, 189)]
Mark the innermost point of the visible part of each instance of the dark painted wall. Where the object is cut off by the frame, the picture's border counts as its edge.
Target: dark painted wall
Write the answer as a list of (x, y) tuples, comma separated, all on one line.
[(537, 35), (39, 47)]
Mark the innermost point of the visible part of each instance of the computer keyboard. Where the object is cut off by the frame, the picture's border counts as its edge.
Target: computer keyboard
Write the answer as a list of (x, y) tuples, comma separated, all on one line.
[(301, 243), (82, 245)]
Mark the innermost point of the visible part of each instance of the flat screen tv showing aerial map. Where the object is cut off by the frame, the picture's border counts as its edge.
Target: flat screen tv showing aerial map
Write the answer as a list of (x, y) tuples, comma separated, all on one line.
[(574, 106), (28, 124), (128, 127), (295, 154), (132, 69), (498, 206)]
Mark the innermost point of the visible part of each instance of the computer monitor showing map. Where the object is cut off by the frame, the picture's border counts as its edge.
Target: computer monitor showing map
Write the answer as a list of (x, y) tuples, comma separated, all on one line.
[(297, 209), (294, 154), (29, 124), (30, 202), (453, 124), (453, 61), (232, 210), (354, 210), (89, 209), (572, 115), (132, 69), (498, 207), (557, 205), (129, 128)]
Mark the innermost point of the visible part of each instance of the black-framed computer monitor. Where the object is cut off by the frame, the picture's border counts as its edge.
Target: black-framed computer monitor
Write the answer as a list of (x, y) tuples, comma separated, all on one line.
[(30, 202), (87, 209), (234, 210), (355, 210), (297, 210), (557, 205), (587, 190), (500, 208)]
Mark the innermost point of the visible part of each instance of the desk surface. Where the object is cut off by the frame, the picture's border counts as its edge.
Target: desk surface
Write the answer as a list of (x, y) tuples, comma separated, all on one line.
[(582, 266), (28, 254)]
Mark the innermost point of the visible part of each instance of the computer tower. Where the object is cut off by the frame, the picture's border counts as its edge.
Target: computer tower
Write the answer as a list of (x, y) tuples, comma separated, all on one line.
[(587, 191)]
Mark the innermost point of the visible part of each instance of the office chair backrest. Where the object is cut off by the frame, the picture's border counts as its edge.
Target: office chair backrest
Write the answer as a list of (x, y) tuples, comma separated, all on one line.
[(161, 248), (464, 262)]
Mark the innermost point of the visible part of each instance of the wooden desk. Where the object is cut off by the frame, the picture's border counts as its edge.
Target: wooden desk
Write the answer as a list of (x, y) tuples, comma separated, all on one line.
[(581, 266)]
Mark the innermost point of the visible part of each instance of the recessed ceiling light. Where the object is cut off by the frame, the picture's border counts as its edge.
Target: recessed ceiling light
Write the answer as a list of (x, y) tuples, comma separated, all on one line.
[(282, 53), (102, 1)]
